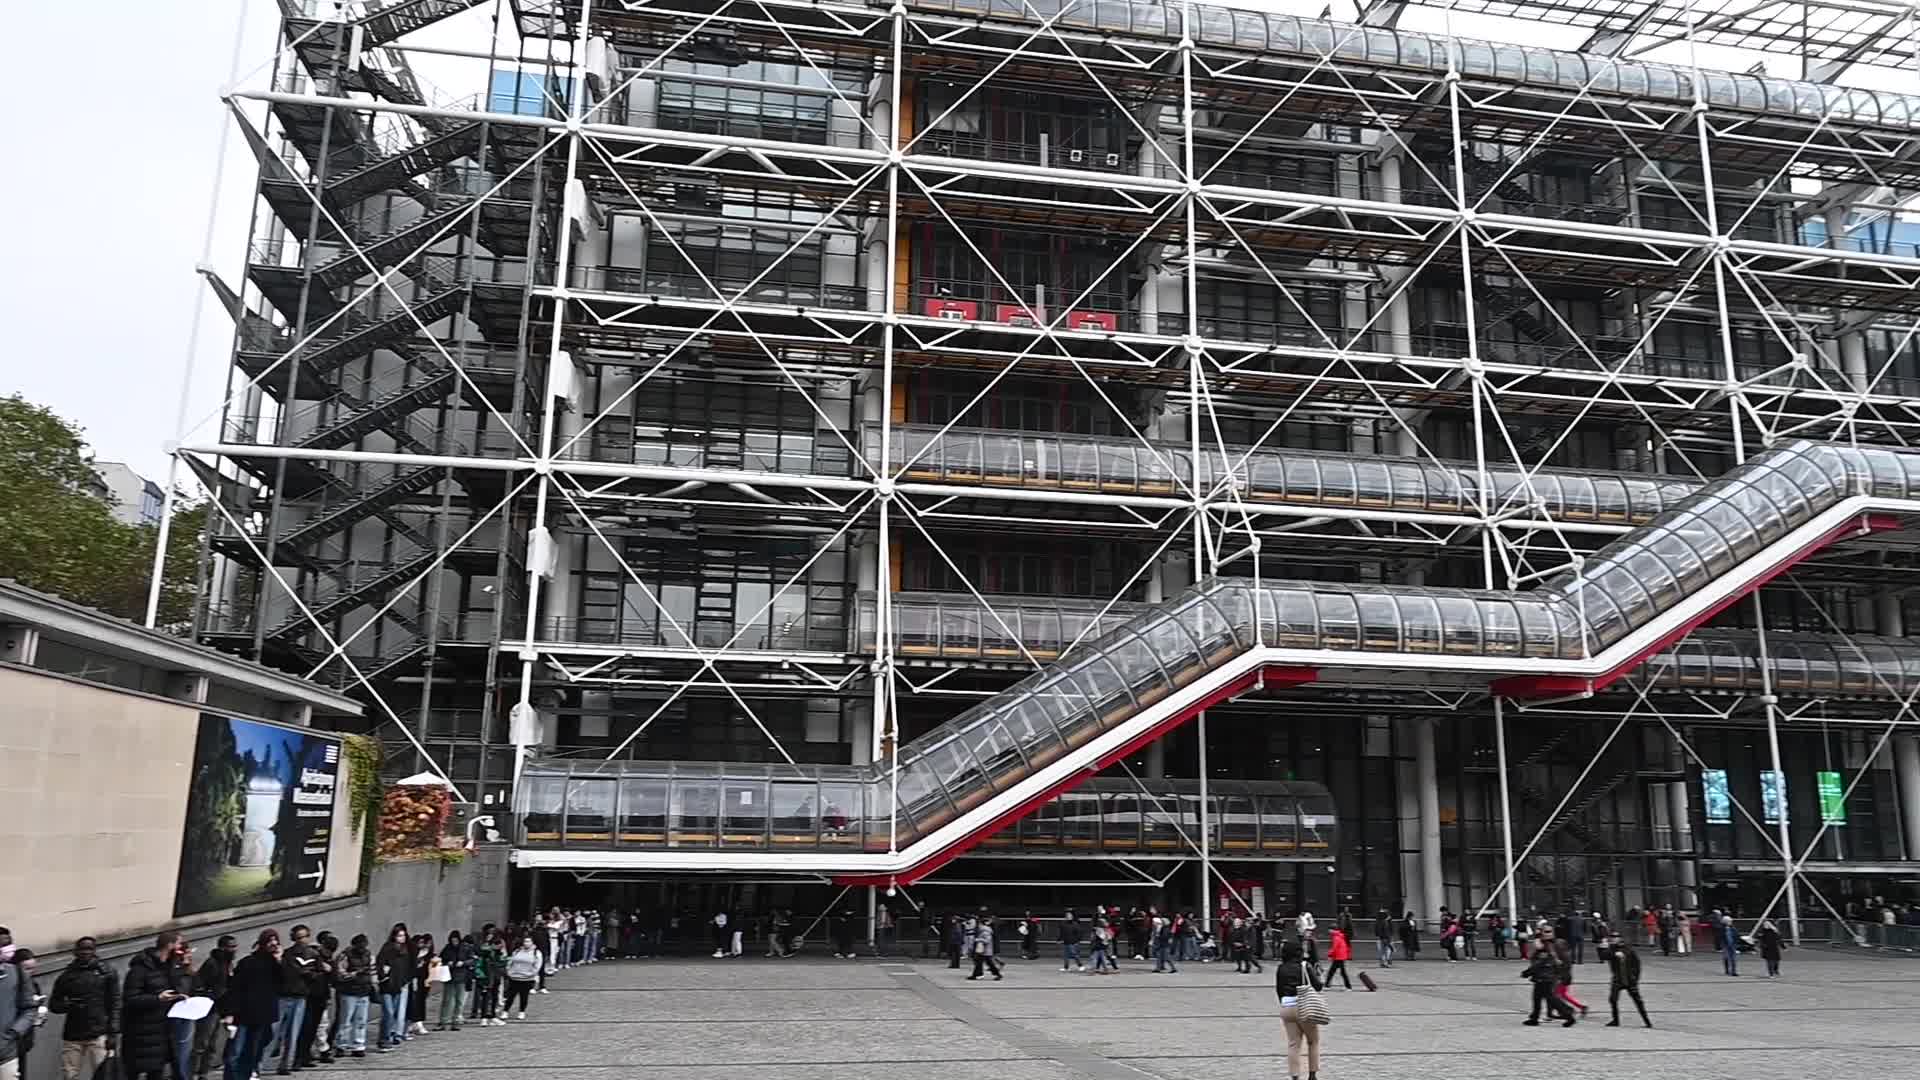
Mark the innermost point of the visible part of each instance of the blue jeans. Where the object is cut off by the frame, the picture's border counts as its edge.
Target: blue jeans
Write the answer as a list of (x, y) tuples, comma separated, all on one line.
[(1730, 954), (1101, 957), (353, 1010), (1163, 957), (180, 1045), (244, 1050), (286, 1032), (1386, 951), (393, 1017), (1069, 954)]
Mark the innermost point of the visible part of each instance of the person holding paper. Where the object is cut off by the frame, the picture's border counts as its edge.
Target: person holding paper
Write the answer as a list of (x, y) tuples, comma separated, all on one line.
[(150, 991)]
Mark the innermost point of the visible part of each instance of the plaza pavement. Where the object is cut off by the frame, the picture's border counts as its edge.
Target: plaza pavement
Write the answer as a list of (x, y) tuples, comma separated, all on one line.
[(1830, 1014)]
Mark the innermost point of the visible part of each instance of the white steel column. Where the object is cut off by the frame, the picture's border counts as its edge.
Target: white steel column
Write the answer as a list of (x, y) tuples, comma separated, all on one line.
[(886, 730), (1906, 765), (1427, 779), (1194, 354), (1772, 703), (1506, 810), (520, 726), (1680, 821), (1206, 833)]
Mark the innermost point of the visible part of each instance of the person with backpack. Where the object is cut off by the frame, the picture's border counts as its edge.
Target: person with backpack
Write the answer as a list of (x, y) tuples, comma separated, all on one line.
[(353, 984), (1626, 980)]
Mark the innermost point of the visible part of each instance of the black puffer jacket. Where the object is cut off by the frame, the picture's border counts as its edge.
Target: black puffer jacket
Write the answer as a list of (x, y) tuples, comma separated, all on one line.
[(89, 996), (144, 1046)]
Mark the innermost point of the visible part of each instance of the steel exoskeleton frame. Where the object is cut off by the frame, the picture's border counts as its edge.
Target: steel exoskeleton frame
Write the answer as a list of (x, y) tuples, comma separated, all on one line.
[(1172, 211)]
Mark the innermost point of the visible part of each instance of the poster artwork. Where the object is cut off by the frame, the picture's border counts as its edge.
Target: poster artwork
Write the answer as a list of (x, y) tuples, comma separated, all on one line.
[(259, 815)]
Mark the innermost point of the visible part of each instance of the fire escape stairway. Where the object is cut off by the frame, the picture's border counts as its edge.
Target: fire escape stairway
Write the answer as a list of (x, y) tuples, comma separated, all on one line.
[(403, 17), (387, 412), (377, 252), (363, 506), (354, 592), (363, 334), (394, 169)]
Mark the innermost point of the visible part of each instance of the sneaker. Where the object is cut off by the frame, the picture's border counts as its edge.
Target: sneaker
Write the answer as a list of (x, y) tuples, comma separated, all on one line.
[(1530, 1023), (1568, 1022), (1082, 967), (522, 1016), (717, 954), (1613, 1023)]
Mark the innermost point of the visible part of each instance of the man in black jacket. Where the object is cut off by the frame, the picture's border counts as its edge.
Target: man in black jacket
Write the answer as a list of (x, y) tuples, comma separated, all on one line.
[(210, 1034), (1626, 980), (319, 996), (88, 993), (298, 964)]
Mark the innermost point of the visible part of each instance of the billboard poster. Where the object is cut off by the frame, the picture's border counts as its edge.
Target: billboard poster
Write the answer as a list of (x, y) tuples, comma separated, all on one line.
[(1773, 796), (259, 815), (1718, 802), (1833, 798)]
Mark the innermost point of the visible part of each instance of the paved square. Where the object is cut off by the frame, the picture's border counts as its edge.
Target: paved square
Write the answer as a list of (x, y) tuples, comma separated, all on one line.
[(1830, 1014)]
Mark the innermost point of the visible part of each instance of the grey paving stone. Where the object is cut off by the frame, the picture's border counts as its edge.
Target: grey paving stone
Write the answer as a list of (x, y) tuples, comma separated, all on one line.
[(1832, 1014)]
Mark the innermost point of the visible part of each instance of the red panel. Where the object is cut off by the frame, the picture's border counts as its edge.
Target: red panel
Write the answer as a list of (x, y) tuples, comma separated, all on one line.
[(1093, 320), (1536, 686), (1014, 315), (1269, 676), (953, 309)]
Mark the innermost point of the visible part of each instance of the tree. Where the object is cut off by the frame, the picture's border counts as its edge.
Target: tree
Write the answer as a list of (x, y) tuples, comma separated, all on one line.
[(58, 537)]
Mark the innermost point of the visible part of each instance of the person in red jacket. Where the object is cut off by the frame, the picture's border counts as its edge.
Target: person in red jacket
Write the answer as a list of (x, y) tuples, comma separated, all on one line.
[(1338, 953)]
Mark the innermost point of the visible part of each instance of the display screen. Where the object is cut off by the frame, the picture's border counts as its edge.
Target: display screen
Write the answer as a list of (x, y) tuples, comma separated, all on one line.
[(1833, 798), (1773, 796), (1718, 802)]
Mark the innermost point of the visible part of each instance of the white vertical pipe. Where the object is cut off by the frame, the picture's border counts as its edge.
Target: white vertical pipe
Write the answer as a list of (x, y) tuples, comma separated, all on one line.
[(1506, 811)]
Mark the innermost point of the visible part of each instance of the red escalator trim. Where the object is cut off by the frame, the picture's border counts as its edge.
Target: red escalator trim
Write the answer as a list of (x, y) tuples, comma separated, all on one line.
[(1541, 686), (1273, 676)]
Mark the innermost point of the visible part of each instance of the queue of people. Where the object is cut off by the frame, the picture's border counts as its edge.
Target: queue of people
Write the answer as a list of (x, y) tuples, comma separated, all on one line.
[(287, 1004)]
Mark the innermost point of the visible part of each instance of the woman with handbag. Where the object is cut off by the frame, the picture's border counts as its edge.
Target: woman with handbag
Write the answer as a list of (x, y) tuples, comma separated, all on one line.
[(1302, 1009)]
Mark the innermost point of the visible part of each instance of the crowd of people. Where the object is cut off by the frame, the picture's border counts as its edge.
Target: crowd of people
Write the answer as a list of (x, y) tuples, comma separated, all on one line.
[(286, 1004)]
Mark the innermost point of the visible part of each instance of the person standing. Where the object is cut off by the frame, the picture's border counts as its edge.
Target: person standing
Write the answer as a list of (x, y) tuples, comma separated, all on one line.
[(1768, 938), (489, 971), (1307, 927), (1577, 936), (297, 963), (1339, 951), (251, 1005), (1292, 974), (884, 930), (353, 984), (180, 1032), (17, 1014), (87, 993), (149, 992), (1626, 980), (1070, 934), (457, 958), (983, 944), (523, 967), (393, 974), (1383, 937), (1163, 946), (1409, 937), (425, 962), (1729, 941), (1497, 933), (211, 981), (316, 1032)]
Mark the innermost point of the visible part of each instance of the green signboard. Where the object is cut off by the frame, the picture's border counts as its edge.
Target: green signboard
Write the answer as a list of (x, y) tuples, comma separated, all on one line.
[(1833, 798)]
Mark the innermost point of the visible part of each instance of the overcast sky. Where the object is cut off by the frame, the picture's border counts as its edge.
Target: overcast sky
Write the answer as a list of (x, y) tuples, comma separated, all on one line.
[(112, 159)]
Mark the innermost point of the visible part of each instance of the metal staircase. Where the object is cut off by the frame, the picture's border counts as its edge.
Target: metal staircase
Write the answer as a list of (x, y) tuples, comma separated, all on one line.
[(401, 164), (356, 591), (388, 413), (403, 484)]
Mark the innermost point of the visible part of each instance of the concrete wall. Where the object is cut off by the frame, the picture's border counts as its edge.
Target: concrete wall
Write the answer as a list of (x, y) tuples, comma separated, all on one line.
[(93, 794)]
